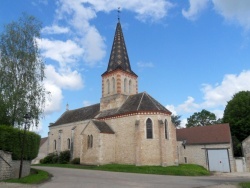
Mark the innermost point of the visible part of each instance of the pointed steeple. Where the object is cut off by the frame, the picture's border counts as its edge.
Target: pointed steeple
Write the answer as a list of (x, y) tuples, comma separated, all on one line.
[(119, 57)]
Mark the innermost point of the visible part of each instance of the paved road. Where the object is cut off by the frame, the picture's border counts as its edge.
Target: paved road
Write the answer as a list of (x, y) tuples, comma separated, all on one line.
[(76, 178)]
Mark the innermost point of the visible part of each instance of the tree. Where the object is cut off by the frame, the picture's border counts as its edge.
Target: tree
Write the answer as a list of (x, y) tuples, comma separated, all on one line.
[(176, 120), (21, 71), (201, 119), (237, 114)]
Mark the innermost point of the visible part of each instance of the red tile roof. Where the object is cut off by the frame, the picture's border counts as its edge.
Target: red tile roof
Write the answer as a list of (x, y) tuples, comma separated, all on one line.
[(210, 134)]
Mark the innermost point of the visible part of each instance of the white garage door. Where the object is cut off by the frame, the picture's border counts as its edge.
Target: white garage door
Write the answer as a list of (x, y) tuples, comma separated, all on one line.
[(218, 160)]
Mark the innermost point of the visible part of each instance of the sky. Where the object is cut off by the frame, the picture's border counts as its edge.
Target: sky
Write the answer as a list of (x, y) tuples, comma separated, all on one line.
[(189, 55)]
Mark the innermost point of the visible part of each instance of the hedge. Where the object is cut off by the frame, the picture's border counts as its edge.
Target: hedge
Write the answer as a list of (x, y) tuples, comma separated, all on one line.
[(11, 141)]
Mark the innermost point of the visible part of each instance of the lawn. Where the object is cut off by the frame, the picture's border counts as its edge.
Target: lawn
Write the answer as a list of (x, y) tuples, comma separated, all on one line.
[(245, 185), (35, 177), (181, 170)]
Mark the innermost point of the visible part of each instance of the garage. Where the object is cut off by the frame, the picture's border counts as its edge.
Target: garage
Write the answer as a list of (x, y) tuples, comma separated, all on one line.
[(218, 160)]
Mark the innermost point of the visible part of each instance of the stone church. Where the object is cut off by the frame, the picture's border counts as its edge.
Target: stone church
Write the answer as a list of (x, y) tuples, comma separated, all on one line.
[(126, 127)]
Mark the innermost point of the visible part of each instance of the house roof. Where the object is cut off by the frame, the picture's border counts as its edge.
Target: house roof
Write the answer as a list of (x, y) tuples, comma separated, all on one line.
[(140, 102), (210, 134), (103, 127), (79, 114), (43, 140), (119, 56)]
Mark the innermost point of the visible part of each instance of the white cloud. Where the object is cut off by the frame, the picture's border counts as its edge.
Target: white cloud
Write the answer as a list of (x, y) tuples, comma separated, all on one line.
[(86, 103), (145, 64), (234, 11), (55, 29), (188, 106), (65, 79), (63, 52), (171, 108), (219, 94), (53, 103), (196, 6)]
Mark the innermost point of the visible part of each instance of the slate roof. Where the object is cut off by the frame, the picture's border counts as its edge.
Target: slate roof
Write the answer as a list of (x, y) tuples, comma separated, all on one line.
[(211, 134), (43, 140), (79, 114), (103, 127), (141, 102), (119, 56)]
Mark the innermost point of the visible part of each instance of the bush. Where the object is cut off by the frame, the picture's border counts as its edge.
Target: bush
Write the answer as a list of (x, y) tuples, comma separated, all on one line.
[(11, 140), (50, 159), (75, 161), (64, 157)]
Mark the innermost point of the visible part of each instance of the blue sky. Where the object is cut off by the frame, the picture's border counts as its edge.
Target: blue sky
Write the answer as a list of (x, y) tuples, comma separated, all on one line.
[(189, 55)]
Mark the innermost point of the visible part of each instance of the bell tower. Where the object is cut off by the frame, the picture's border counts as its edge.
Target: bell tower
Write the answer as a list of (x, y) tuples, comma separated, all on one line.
[(118, 81)]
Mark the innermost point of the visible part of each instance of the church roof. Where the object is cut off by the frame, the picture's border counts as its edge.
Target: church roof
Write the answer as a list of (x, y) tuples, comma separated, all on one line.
[(210, 134), (119, 56), (141, 102), (103, 127), (79, 114)]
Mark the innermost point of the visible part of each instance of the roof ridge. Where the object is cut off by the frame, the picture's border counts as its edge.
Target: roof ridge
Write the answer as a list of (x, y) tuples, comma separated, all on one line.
[(140, 101), (153, 101), (122, 104)]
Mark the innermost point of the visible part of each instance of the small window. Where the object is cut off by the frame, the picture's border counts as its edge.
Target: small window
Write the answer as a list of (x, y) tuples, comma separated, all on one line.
[(91, 141), (54, 144), (113, 83), (129, 86), (125, 85), (68, 143), (88, 142), (166, 129), (185, 159), (149, 129), (108, 86)]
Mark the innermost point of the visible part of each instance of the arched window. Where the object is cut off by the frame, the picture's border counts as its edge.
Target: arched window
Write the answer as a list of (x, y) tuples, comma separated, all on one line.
[(129, 86), (149, 128), (125, 85), (91, 141), (166, 129), (108, 86), (113, 83), (54, 144), (88, 143), (68, 143)]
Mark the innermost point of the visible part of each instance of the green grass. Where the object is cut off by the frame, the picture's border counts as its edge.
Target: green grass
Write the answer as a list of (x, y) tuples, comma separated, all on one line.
[(245, 185), (181, 170), (35, 177)]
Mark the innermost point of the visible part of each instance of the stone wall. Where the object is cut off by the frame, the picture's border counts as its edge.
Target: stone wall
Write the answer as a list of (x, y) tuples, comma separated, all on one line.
[(10, 168), (246, 152)]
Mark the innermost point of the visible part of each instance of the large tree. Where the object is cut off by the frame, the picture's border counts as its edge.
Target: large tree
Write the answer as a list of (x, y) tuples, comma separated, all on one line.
[(237, 114), (176, 120), (201, 119), (21, 71)]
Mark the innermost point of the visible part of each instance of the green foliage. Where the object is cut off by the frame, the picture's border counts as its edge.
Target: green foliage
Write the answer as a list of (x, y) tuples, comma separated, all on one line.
[(245, 185), (53, 158), (35, 177), (181, 170), (201, 119), (21, 72), (176, 120), (237, 114), (11, 140), (75, 161), (64, 157)]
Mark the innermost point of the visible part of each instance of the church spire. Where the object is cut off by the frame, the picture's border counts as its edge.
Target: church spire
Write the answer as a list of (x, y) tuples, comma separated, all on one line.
[(119, 56)]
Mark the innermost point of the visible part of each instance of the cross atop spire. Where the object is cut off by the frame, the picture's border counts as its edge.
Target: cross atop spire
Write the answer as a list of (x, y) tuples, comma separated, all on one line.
[(118, 13)]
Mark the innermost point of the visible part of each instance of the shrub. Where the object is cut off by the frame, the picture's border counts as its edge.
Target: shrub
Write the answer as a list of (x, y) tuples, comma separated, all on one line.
[(49, 159), (64, 157), (75, 161), (11, 140)]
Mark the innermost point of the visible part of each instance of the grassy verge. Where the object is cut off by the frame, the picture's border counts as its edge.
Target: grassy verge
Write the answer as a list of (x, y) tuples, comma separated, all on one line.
[(181, 170), (245, 185), (35, 177)]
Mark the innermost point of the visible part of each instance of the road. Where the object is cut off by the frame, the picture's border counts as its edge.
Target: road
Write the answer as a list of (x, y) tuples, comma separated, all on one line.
[(77, 178)]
